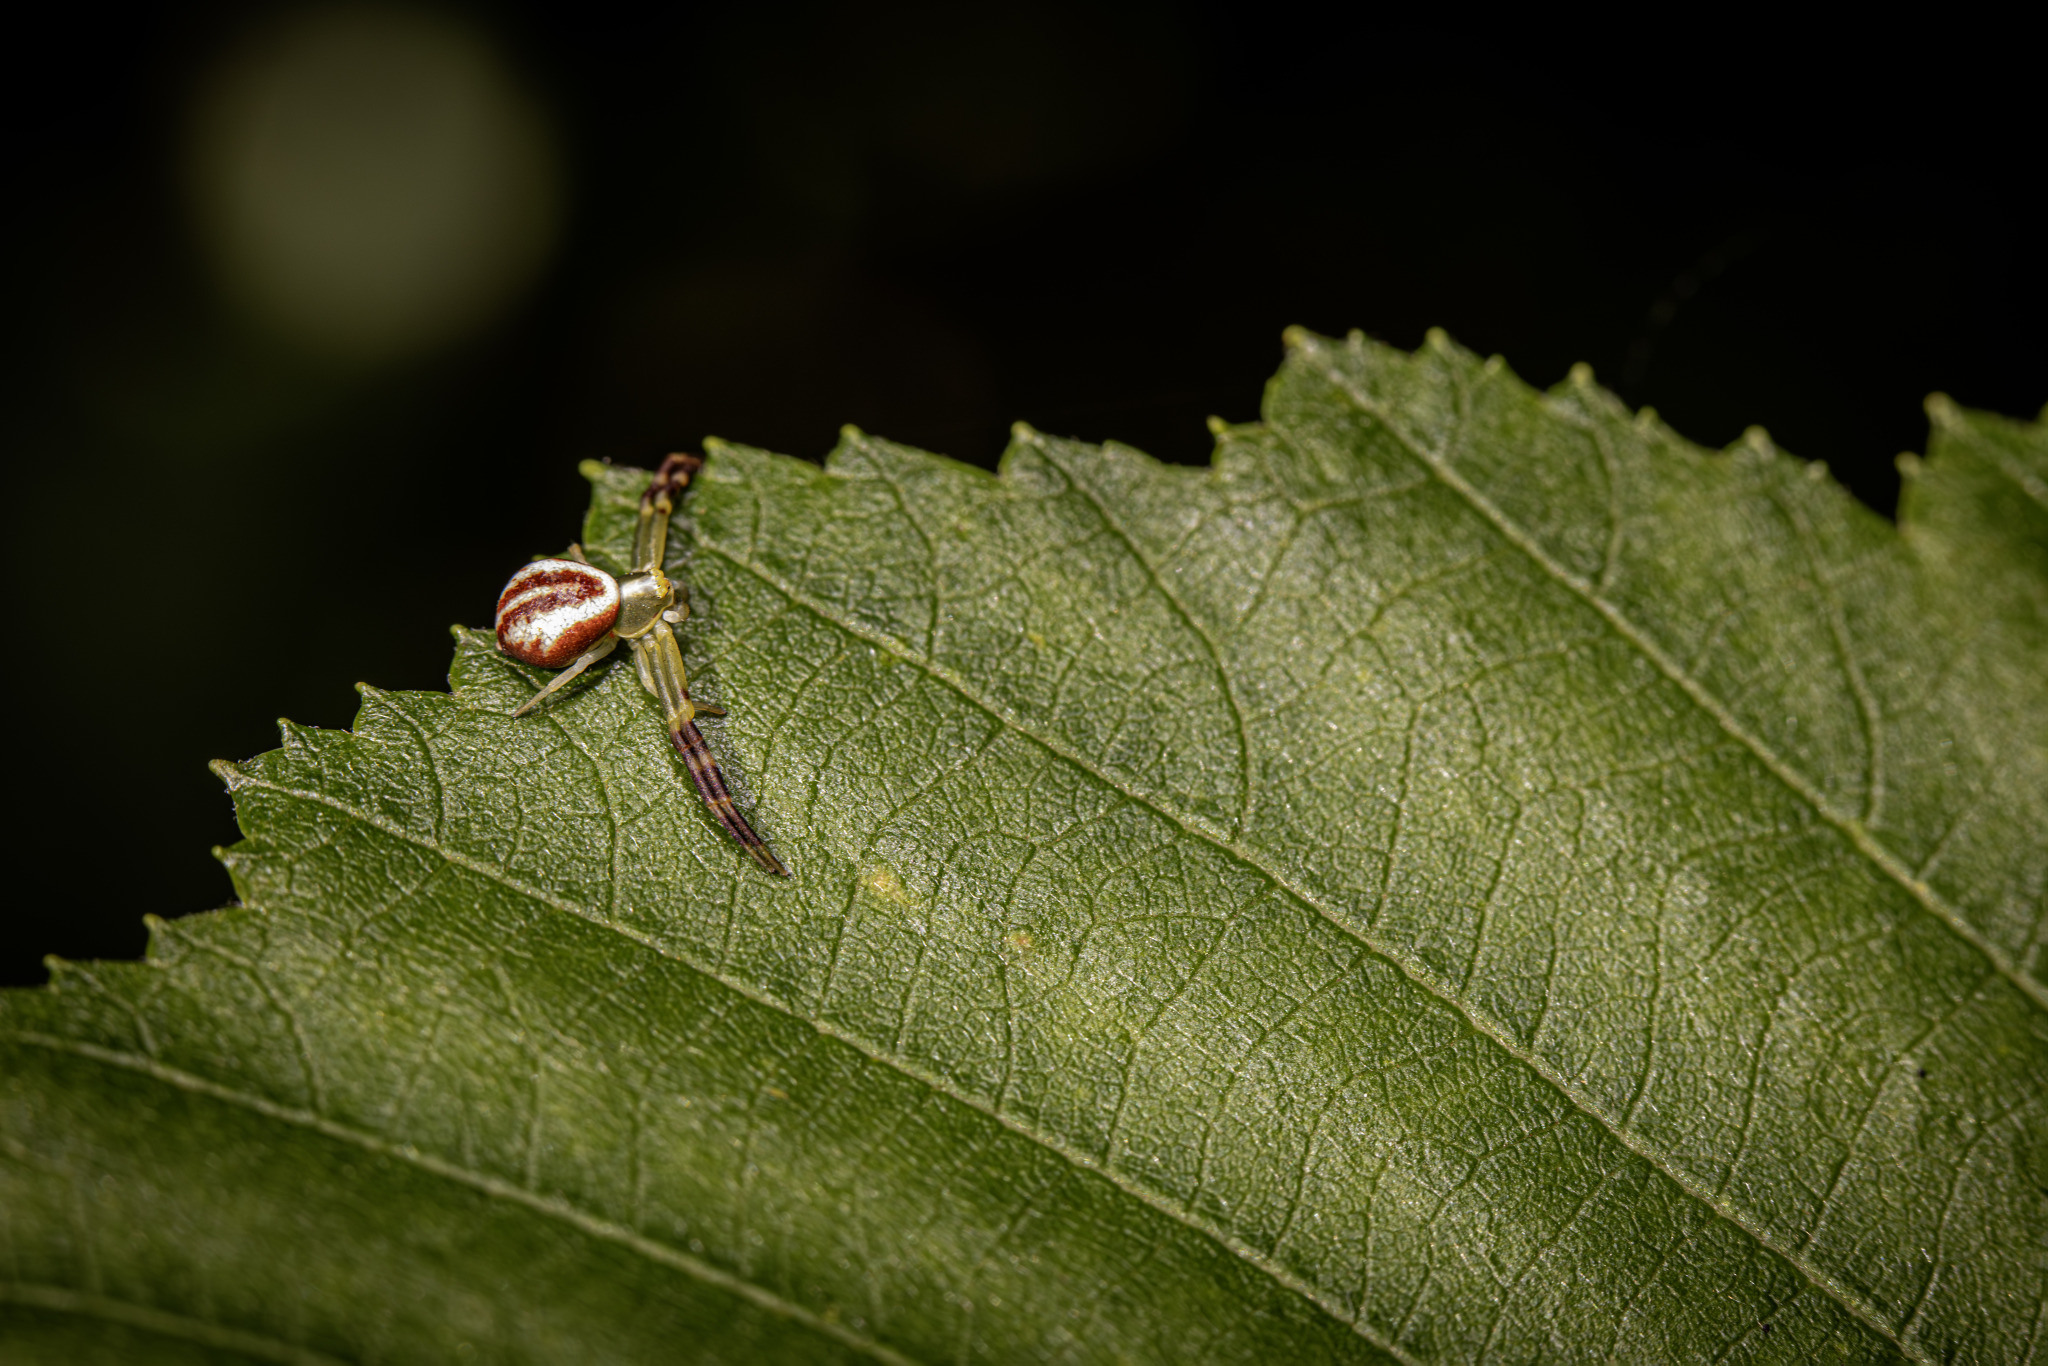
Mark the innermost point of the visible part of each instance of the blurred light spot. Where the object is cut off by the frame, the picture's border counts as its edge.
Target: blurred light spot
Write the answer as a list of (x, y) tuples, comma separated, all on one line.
[(372, 182)]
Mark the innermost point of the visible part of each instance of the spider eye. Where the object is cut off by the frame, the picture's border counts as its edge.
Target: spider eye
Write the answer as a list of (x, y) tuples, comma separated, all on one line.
[(553, 610)]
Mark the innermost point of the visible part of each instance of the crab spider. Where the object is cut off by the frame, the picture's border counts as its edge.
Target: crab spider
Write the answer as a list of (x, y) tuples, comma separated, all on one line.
[(568, 614)]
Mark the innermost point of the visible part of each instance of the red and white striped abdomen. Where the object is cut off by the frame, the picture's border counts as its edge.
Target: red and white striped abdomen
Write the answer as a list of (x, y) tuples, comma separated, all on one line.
[(553, 610)]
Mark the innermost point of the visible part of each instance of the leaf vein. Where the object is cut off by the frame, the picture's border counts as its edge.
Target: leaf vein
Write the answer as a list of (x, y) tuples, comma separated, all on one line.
[(1852, 670), (62, 1299), (1194, 625)]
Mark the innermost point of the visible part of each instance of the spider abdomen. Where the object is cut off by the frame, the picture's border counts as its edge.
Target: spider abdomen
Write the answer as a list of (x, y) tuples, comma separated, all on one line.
[(553, 610)]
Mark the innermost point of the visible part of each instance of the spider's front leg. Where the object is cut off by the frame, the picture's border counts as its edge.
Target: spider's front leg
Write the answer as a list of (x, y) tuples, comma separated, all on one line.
[(657, 505), (660, 661)]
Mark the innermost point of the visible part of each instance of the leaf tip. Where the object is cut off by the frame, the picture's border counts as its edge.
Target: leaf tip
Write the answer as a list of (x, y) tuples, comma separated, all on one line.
[(1581, 375), (1908, 465), (227, 772), (1436, 339), (592, 470), (1217, 426), (1298, 339), (1943, 412), (1024, 432)]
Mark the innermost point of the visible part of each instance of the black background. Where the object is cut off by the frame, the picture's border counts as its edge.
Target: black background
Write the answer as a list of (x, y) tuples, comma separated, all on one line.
[(928, 221)]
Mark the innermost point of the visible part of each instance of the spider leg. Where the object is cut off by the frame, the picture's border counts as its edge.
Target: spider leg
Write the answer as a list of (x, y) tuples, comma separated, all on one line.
[(657, 505), (577, 666), (661, 670), (689, 743)]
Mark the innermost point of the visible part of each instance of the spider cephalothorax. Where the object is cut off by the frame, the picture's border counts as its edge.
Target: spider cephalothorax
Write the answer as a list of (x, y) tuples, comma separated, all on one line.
[(567, 614)]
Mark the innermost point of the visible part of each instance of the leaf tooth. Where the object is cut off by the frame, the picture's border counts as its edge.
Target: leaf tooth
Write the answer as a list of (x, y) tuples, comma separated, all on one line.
[(1942, 412), (159, 929), (291, 737)]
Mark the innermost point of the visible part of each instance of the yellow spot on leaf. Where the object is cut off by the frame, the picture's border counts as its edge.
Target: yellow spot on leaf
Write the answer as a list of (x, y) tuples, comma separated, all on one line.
[(883, 882)]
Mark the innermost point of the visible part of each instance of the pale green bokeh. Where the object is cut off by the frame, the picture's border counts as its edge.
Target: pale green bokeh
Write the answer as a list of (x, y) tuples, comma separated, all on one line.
[(372, 182)]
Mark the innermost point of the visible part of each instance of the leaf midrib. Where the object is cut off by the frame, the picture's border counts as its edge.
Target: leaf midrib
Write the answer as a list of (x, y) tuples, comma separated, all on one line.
[(1858, 834), (495, 1188), (1413, 969)]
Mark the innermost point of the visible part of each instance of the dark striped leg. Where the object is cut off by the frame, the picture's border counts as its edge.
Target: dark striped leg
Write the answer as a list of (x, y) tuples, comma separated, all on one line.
[(664, 491), (689, 742), (672, 477)]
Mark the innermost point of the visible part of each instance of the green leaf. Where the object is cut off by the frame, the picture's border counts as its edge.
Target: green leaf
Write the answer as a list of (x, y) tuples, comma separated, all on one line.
[(1468, 877)]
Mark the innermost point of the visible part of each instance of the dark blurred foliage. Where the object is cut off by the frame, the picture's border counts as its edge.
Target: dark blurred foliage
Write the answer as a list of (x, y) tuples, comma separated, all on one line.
[(927, 221)]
